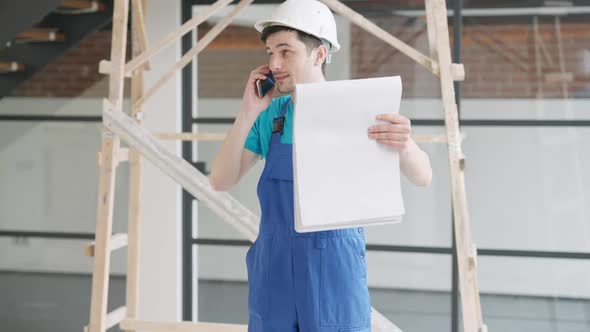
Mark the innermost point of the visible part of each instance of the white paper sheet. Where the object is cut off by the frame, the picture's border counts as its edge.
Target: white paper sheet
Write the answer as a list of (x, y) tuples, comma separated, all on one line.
[(341, 177)]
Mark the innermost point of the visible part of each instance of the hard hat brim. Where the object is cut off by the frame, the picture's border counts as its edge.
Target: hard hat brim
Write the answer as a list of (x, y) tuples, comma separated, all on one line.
[(260, 25)]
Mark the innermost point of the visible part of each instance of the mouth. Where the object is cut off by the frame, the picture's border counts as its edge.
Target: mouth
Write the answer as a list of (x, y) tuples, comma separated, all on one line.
[(281, 78)]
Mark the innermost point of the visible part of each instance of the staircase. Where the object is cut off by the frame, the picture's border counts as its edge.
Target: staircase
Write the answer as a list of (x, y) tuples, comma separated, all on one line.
[(36, 32)]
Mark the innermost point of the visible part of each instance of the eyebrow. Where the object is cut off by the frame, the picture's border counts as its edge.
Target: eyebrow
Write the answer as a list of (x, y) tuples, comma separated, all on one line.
[(280, 45)]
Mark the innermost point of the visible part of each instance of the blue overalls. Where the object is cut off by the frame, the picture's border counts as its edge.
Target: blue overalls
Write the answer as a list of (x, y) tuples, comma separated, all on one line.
[(307, 282)]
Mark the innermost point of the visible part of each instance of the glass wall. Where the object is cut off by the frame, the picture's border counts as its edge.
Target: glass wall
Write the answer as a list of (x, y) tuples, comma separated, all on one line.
[(524, 116)]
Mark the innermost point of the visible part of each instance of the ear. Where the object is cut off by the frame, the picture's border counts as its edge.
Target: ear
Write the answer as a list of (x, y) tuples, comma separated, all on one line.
[(321, 54)]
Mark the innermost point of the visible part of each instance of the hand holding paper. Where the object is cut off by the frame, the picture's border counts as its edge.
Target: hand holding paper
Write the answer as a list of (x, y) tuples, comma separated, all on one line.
[(395, 133)]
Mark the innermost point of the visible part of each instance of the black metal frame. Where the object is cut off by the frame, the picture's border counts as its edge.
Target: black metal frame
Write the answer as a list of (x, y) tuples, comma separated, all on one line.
[(441, 122), (187, 154), (49, 118), (47, 235)]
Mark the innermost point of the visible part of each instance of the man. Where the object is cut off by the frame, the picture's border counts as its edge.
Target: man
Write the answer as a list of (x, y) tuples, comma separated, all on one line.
[(309, 282)]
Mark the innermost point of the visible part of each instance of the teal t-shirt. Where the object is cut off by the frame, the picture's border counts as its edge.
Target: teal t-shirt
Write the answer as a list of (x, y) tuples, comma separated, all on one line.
[(258, 139)]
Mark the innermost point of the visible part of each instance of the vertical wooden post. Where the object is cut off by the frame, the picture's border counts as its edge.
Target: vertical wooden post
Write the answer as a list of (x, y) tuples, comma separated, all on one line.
[(564, 83), (466, 254), (135, 169), (538, 61), (108, 164), (431, 28)]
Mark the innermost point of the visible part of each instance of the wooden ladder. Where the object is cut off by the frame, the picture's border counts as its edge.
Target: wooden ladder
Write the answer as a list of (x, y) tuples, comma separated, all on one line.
[(108, 159)]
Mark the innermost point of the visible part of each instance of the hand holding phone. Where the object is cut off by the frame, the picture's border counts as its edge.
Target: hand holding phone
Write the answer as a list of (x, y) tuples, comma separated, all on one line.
[(263, 86)]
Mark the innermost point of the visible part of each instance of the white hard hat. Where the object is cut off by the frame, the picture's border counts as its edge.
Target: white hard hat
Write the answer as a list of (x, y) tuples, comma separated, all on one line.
[(309, 16)]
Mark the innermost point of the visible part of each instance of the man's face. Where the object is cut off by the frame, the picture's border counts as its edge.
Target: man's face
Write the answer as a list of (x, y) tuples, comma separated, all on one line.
[(289, 60)]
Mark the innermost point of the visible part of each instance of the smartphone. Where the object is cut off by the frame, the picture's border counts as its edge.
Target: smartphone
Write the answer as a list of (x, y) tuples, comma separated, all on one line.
[(263, 86)]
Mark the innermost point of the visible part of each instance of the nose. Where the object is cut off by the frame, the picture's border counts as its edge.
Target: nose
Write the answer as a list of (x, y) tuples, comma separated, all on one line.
[(274, 63)]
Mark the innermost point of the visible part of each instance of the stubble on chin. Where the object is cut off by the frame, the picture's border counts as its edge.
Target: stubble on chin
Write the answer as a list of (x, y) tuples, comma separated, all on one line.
[(286, 89)]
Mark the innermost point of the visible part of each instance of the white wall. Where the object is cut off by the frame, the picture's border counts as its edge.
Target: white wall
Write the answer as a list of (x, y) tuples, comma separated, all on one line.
[(161, 260), (48, 182)]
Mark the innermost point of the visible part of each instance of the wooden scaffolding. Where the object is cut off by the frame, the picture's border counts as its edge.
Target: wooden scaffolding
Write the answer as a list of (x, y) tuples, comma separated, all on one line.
[(128, 127)]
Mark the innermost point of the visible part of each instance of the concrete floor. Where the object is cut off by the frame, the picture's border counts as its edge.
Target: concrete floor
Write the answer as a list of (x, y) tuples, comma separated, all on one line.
[(51, 303)]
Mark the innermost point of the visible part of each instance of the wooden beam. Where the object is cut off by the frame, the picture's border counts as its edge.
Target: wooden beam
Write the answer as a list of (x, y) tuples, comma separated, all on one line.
[(221, 203), (104, 67), (123, 155), (113, 318), (118, 51), (458, 72), (538, 60), (139, 30), (431, 27), (173, 36), (106, 188), (545, 51), (135, 173), (385, 36), (188, 57), (379, 322), (561, 59), (116, 316), (118, 240), (468, 283), (192, 136), (134, 231), (142, 325), (100, 273)]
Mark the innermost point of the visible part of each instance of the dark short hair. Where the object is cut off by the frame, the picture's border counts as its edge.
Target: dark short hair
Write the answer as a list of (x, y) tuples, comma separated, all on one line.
[(311, 42)]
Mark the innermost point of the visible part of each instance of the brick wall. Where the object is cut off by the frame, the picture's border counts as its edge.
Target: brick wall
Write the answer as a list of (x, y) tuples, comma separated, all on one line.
[(73, 74), (224, 66), (499, 61)]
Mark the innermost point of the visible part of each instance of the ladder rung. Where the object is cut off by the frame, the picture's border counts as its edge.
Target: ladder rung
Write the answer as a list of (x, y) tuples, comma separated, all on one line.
[(115, 317), (11, 67), (185, 326), (121, 157), (41, 35), (123, 154), (118, 241), (473, 257), (104, 67)]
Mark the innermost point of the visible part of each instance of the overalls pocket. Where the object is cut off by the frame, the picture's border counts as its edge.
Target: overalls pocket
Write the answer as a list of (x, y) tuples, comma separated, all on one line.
[(344, 295), (257, 260), (282, 169)]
